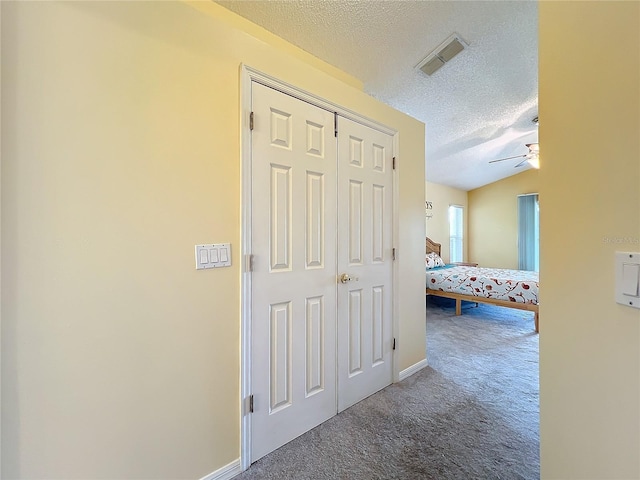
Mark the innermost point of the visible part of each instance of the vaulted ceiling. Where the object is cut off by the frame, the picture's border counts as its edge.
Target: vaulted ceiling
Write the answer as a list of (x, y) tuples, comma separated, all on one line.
[(478, 107)]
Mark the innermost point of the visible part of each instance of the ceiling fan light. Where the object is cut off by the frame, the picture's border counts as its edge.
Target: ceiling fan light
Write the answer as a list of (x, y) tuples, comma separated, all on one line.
[(534, 147)]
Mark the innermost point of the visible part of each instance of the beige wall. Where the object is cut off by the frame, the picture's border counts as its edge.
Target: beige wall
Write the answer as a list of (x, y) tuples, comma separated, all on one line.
[(590, 208), (493, 220), (120, 152), (441, 197)]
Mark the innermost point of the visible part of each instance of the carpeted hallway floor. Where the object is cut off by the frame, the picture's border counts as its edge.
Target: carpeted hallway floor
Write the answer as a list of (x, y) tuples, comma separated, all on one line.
[(472, 414)]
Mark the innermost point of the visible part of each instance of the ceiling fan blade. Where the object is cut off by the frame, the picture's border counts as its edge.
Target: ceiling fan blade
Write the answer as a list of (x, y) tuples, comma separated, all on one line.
[(522, 162), (509, 158)]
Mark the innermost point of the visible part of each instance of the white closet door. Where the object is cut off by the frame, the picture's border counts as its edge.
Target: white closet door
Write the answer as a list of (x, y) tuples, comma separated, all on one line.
[(294, 277), (365, 336), (321, 207)]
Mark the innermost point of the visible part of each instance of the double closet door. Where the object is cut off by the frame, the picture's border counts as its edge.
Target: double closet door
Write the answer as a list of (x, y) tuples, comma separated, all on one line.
[(321, 239)]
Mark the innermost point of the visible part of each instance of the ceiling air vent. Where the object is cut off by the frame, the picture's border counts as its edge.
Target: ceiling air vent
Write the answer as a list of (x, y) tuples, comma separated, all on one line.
[(444, 53)]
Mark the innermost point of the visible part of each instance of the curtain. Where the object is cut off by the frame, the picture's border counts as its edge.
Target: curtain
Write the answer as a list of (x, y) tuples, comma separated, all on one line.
[(528, 232)]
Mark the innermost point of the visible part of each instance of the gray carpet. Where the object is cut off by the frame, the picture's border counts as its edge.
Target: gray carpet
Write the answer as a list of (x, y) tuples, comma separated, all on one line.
[(472, 414)]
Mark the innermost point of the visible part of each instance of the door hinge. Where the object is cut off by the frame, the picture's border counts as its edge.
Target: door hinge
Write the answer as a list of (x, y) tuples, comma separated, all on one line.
[(249, 262), (394, 344), (251, 121), (393, 253), (393, 163), (335, 124), (251, 403)]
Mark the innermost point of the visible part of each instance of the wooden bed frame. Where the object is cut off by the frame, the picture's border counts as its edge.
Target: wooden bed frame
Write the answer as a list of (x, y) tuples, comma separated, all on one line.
[(432, 246)]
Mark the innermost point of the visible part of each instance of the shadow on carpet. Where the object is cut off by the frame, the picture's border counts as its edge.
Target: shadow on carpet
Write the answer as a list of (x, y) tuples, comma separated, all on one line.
[(472, 414)]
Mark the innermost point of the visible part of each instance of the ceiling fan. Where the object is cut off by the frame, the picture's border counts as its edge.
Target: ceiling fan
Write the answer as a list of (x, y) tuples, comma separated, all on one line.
[(532, 157)]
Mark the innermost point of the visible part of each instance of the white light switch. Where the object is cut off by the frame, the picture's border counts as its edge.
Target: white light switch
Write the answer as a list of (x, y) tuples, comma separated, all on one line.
[(628, 278), (213, 255)]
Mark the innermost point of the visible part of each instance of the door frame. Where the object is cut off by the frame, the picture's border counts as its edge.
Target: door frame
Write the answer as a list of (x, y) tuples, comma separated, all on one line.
[(248, 75)]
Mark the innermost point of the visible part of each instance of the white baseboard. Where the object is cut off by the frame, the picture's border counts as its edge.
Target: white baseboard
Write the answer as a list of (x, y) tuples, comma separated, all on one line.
[(225, 473), (416, 367)]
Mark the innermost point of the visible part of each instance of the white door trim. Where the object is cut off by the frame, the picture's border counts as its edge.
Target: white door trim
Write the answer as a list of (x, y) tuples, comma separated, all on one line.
[(396, 264), (247, 76), (0, 285)]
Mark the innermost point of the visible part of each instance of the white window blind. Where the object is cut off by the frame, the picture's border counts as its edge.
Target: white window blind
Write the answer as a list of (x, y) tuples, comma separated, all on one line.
[(456, 233), (528, 232)]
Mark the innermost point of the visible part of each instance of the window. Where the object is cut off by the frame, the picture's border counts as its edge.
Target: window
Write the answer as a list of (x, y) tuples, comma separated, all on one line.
[(456, 233), (528, 232)]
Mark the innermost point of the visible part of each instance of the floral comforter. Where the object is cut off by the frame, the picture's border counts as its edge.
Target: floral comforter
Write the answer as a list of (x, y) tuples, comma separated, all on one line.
[(509, 285)]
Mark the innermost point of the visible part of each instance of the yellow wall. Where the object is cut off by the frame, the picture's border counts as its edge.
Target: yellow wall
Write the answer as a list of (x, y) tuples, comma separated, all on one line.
[(441, 197), (493, 220), (590, 208), (120, 152)]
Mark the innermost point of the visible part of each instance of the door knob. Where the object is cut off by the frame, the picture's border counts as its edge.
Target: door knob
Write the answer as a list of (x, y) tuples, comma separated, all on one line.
[(345, 277)]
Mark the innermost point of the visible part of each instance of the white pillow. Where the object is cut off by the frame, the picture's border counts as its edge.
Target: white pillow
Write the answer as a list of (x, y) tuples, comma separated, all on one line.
[(433, 260)]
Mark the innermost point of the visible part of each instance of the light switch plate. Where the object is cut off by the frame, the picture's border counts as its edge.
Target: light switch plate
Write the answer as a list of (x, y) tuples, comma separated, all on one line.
[(627, 271), (213, 255)]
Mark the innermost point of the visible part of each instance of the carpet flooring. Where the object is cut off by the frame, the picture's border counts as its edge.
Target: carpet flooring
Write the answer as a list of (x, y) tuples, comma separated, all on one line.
[(473, 413)]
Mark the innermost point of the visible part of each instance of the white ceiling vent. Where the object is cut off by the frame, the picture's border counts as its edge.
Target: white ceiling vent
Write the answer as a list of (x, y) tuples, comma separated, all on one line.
[(444, 53)]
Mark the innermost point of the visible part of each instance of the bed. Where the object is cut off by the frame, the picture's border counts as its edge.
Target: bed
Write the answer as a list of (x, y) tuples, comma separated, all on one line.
[(505, 288)]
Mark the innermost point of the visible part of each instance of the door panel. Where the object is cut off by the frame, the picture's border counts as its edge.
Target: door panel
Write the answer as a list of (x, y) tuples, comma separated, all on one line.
[(355, 222), (365, 338), (294, 279)]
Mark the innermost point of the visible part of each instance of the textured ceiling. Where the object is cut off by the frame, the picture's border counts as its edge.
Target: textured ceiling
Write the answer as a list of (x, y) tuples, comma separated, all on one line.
[(476, 108)]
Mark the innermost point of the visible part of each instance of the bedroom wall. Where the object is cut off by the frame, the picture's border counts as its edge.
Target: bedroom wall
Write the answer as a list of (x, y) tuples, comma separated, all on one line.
[(120, 152), (493, 220), (590, 203), (441, 197)]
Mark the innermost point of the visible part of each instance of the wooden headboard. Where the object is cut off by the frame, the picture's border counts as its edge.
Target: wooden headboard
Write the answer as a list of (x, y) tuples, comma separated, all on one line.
[(432, 246)]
